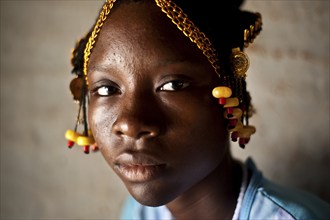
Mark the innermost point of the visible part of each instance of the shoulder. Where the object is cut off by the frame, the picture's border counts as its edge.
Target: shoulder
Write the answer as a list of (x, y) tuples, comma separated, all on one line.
[(284, 201), (264, 198)]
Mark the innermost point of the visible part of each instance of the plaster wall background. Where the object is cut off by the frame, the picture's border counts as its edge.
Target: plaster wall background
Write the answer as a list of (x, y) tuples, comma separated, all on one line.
[(40, 178)]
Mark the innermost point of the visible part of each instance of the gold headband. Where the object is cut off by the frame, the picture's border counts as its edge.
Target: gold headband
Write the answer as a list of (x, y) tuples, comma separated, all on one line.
[(96, 30), (178, 17)]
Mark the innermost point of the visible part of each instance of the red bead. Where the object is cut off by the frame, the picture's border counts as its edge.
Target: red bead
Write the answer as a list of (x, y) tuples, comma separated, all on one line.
[(222, 101), (232, 123), (230, 110), (70, 144), (241, 142), (95, 148), (86, 149), (234, 136)]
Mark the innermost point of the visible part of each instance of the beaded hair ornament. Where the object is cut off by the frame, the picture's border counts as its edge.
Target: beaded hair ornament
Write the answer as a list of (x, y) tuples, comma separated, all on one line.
[(231, 94)]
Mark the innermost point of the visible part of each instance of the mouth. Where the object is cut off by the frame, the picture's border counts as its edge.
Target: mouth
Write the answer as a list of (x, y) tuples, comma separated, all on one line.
[(139, 168)]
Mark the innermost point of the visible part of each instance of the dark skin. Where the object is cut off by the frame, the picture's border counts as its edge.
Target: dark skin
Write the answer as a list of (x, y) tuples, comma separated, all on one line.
[(154, 118)]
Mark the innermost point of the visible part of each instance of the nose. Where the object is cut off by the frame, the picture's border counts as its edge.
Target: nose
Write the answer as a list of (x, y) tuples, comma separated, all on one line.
[(139, 119), (135, 128)]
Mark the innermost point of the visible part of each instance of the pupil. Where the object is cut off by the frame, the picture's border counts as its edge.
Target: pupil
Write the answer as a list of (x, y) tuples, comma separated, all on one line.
[(177, 85)]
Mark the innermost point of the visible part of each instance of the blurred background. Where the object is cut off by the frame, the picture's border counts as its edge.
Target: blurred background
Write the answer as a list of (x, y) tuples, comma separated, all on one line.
[(42, 179)]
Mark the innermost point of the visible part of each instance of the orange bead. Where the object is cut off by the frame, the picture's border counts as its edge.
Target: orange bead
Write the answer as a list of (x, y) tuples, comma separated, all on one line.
[(246, 131), (231, 102)]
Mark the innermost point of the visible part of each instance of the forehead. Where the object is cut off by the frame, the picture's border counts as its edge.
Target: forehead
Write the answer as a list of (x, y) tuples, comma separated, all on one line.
[(141, 27)]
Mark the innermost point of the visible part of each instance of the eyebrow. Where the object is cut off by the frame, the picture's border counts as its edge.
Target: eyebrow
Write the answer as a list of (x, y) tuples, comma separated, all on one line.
[(104, 68), (99, 68), (176, 61)]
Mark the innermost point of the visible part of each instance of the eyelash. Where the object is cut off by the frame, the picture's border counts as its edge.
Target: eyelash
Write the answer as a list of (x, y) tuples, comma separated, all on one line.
[(171, 86), (109, 90), (175, 83)]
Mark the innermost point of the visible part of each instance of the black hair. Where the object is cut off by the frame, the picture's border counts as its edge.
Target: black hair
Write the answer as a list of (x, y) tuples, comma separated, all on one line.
[(77, 58), (223, 22)]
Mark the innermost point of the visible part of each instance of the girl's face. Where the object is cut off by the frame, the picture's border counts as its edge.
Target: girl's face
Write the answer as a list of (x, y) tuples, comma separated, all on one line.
[(151, 110)]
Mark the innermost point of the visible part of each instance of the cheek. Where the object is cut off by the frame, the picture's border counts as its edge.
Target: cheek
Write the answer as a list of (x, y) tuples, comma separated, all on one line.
[(100, 120), (207, 133), (208, 136), (200, 116), (199, 130), (197, 143)]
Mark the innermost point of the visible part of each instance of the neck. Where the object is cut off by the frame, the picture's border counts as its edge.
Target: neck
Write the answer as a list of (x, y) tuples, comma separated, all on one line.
[(215, 197)]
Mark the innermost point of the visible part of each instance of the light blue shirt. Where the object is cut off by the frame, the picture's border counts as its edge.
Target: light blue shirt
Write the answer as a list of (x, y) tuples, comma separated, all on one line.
[(262, 200)]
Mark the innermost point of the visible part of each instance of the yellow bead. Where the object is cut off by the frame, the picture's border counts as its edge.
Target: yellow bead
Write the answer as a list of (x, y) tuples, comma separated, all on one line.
[(231, 102), (246, 131), (71, 135), (238, 126), (221, 92), (84, 141)]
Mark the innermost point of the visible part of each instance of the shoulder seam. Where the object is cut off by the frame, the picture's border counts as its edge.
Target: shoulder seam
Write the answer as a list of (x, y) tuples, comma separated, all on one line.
[(276, 203)]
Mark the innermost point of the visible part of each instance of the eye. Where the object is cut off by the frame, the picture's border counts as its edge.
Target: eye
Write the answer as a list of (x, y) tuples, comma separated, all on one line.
[(174, 85), (105, 90)]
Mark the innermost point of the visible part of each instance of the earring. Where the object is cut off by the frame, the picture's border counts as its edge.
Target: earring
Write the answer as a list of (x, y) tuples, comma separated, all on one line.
[(84, 139), (239, 62), (232, 113), (235, 108)]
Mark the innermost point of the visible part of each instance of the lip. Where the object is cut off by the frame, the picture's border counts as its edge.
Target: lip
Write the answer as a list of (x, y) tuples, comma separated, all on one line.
[(139, 167)]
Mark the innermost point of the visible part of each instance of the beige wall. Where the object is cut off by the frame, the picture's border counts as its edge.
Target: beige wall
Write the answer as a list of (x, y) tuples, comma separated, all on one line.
[(41, 178)]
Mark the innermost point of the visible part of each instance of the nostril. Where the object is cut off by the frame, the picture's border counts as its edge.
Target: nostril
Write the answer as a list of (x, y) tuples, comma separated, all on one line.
[(120, 129), (146, 134), (119, 133), (134, 128)]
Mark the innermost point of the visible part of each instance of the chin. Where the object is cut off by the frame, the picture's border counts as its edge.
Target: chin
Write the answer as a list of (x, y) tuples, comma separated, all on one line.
[(150, 195)]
